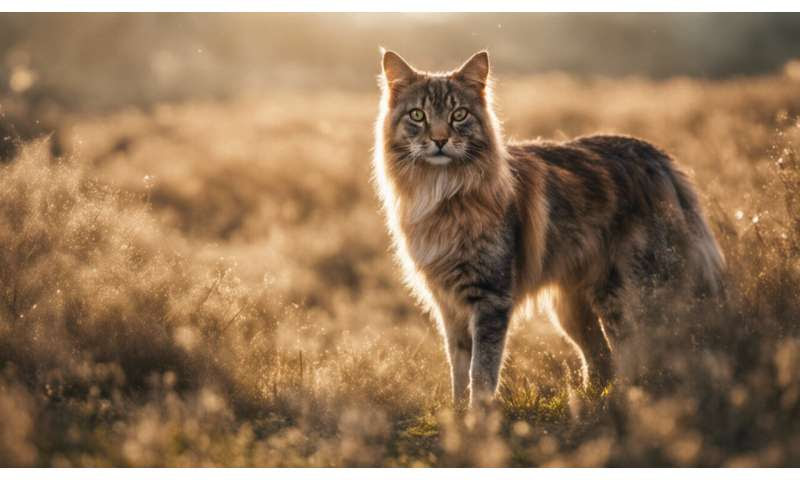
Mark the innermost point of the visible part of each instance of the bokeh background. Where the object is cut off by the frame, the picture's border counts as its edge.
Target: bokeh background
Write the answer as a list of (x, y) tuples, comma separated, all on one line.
[(91, 61), (194, 269)]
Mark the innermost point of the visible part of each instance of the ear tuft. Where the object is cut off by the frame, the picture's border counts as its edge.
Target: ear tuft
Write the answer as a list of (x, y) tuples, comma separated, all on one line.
[(395, 68), (476, 69)]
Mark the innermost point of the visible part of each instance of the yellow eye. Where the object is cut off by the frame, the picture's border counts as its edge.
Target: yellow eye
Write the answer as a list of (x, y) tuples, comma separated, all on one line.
[(417, 115), (459, 114)]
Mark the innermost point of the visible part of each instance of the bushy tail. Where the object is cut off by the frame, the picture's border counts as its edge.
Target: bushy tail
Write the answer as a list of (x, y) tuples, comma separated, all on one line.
[(704, 252)]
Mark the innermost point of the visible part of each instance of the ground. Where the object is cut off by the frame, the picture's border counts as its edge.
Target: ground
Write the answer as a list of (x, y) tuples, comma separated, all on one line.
[(210, 283)]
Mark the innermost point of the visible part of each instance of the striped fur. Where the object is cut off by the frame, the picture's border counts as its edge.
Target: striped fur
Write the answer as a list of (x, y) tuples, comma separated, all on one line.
[(481, 226)]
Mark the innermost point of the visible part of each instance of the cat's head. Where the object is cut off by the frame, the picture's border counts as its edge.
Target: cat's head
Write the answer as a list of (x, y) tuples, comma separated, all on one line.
[(438, 120)]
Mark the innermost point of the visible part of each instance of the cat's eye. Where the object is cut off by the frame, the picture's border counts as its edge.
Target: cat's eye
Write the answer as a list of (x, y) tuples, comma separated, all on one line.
[(459, 114), (417, 115)]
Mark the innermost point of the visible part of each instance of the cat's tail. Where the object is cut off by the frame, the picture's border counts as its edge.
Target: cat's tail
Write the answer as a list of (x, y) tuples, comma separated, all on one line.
[(704, 252)]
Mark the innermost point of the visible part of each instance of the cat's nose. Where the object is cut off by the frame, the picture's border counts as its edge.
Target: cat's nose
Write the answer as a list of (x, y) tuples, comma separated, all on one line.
[(439, 142)]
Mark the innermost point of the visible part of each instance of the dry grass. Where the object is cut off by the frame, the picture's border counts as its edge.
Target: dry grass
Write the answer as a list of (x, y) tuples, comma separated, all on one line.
[(210, 284)]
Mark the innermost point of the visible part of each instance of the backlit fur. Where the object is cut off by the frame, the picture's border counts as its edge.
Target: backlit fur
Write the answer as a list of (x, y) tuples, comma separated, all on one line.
[(603, 224)]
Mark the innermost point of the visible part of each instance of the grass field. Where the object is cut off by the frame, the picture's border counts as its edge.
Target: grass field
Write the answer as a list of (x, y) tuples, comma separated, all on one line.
[(210, 283)]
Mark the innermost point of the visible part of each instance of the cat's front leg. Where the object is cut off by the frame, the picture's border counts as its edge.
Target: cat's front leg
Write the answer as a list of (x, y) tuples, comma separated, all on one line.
[(489, 327), (459, 352), (459, 349)]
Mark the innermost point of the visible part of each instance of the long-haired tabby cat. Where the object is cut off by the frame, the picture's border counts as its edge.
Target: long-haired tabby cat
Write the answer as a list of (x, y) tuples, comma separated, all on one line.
[(481, 225)]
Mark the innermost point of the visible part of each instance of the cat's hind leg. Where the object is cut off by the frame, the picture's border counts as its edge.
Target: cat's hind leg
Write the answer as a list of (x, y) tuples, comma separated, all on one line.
[(582, 327)]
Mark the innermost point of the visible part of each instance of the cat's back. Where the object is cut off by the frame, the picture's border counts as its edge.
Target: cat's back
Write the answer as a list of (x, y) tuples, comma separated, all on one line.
[(596, 170), (591, 152)]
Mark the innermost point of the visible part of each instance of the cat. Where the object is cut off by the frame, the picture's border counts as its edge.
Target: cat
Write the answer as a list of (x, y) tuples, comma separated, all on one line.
[(481, 226)]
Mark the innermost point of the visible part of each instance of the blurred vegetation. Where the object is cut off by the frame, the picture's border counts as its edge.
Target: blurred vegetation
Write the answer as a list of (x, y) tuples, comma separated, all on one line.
[(208, 281)]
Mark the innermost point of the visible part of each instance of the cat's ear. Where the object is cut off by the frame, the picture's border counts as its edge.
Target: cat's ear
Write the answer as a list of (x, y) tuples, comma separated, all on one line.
[(395, 69), (476, 69)]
